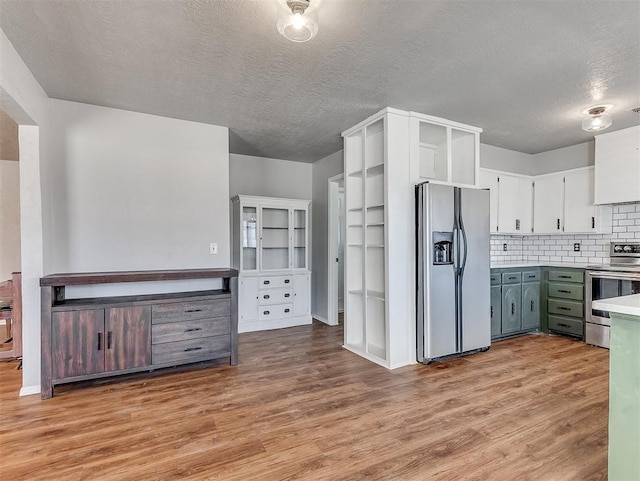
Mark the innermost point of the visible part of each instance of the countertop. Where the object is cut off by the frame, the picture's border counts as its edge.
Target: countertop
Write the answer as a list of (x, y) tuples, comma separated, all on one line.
[(622, 305), (507, 265)]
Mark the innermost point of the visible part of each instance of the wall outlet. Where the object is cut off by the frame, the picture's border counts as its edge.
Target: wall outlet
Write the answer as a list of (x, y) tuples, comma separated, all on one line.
[(504, 247), (576, 247), (213, 248)]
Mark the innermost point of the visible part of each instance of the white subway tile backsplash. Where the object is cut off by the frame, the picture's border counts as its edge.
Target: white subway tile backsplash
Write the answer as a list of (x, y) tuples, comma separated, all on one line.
[(559, 248)]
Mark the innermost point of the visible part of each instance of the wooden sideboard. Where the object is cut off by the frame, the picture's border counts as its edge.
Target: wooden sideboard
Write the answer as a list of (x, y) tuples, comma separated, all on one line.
[(90, 338)]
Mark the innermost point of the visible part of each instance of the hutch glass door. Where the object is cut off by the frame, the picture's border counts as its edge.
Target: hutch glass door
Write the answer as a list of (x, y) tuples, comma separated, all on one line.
[(275, 238)]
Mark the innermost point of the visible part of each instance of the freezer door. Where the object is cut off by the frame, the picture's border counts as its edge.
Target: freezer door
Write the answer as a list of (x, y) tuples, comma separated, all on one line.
[(476, 305), (438, 281)]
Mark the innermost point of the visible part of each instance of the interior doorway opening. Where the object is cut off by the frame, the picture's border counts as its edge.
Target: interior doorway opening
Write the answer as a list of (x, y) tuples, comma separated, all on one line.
[(336, 232)]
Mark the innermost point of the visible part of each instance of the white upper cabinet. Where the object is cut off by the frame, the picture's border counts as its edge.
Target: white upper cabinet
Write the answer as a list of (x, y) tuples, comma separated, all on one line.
[(580, 213), (515, 198), (443, 151), (547, 205), (617, 169)]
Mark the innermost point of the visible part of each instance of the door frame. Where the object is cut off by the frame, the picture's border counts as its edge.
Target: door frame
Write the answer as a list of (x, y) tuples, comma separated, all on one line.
[(332, 250)]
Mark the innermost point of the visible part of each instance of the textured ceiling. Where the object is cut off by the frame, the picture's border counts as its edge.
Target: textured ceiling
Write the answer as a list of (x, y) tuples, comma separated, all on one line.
[(521, 70)]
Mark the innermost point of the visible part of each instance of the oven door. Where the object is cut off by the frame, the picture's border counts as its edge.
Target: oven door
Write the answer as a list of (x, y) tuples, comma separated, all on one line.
[(604, 285)]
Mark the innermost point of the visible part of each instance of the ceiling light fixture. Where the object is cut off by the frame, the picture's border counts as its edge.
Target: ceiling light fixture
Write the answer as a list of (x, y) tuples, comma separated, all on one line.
[(299, 25), (597, 119)]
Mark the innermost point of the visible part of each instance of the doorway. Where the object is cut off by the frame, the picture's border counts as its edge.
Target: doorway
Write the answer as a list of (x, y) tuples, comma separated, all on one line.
[(336, 231)]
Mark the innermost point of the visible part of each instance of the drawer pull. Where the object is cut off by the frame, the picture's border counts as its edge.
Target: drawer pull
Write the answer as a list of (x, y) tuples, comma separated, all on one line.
[(193, 329), (562, 308), (512, 278), (192, 349), (266, 296), (564, 277), (193, 310), (564, 291), (287, 281), (287, 310), (562, 324), (287, 295), (267, 282), (531, 277), (266, 313)]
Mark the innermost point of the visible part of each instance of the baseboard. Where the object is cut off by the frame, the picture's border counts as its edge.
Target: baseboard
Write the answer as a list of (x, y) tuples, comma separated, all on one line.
[(320, 318), (29, 390), (252, 326)]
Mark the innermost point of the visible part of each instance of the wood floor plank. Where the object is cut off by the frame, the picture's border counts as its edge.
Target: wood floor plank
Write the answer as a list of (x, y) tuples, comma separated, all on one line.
[(299, 407)]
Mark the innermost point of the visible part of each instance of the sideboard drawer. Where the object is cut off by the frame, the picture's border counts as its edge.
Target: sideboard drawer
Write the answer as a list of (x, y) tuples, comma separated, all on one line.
[(188, 311), (566, 291), (563, 324), (565, 308), (181, 331), (530, 276), (192, 349)]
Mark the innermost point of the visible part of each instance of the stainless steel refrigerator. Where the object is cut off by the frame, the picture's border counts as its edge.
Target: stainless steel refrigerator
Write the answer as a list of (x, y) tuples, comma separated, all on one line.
[(453, 297)]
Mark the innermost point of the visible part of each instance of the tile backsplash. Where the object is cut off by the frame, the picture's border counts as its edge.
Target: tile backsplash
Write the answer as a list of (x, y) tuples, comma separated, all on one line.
[(594, 248)]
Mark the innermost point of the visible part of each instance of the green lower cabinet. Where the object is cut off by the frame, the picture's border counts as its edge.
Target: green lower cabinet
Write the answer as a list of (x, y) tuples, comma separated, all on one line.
[(496, 311), (531, 306), (511, 308)]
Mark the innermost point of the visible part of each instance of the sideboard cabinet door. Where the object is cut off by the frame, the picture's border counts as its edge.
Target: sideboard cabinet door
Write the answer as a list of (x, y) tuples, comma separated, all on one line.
[(128, 337), (77, 343)]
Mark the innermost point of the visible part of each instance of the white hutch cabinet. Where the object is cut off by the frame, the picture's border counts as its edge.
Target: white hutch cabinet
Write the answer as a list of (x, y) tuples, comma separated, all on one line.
[(270, 249)]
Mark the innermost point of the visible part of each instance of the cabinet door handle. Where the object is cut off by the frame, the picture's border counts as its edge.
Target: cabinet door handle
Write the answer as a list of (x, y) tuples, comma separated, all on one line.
[(513, 309), (109, 336), (266, 296), (287, 295), (266, 282), (287, 281), (193, 310), (266, 313), (287, 310), (558, 224), (192, 349), (532, 307), (99, 341), (593, 222), (193, 329), (517, 224), (491, 311)]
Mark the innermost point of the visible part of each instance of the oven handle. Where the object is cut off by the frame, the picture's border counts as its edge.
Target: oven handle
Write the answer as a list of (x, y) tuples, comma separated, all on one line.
[(632, 276)]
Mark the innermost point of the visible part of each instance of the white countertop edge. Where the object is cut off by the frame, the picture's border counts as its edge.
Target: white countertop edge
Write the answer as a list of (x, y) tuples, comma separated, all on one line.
[(507, 265), (621, 305)]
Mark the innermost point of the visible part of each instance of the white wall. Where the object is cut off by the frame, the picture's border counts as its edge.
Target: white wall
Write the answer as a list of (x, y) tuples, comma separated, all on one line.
[(133, 191), (24, 100), (322, 170), (572, 157), (9, 218), (269, 177), (506, 160)]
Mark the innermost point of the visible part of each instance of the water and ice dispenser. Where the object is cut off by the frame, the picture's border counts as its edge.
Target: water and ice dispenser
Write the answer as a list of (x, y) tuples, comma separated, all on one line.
[(442, 248)]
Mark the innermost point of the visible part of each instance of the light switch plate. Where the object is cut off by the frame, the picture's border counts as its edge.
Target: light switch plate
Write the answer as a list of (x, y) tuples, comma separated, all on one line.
[(213, 248)]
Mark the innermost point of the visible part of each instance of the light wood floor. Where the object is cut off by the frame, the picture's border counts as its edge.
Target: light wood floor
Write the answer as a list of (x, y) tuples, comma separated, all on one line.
[(299, 406)]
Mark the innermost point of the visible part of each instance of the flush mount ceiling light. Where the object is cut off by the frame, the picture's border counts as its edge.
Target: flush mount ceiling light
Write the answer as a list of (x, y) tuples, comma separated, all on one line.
[(299, 25), (597, 119)]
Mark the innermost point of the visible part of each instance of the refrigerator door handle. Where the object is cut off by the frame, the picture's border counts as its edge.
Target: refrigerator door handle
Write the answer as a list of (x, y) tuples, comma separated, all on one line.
[(464, 246)]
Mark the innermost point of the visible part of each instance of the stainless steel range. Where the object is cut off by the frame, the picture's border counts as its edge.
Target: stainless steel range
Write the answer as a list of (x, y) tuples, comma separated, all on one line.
[(620, 278)]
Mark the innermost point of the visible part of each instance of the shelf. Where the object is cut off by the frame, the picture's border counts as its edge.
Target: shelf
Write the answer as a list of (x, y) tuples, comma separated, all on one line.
[(355, 291), (375, 169), (355, 245), (355, 173), (376, 295), (285, 247), (354, 225), (377, 246), (376, 224), (355, 209), (272, 227), (377, 351), (375, 206), (300, 228)]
